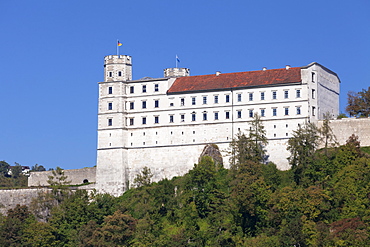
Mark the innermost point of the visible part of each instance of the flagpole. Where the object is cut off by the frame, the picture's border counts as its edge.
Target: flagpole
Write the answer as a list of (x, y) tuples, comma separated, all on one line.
[(117, 48), (176, 60)]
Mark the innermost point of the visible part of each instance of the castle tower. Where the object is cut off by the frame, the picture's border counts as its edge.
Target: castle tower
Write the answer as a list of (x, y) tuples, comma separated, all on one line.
[(111, 153), (117, 68)]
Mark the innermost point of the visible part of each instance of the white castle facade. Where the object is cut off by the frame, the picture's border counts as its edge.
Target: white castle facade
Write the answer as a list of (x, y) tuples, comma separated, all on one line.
[(165, 123)]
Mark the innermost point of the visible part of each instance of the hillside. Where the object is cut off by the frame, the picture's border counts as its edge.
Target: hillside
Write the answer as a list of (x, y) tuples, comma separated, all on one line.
[(325, 203)]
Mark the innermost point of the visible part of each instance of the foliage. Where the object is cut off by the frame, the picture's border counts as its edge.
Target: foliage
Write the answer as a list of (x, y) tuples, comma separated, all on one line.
[(4, 168), (58, 179), (251, 204), (12, 176), (302, 147), (38, 168), (358, 104), (251, 146), (144, 177)]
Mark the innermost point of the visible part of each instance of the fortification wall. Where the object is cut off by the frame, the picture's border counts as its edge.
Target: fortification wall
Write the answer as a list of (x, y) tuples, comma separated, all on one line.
[(345, 127), (10, 198), (76, 176)]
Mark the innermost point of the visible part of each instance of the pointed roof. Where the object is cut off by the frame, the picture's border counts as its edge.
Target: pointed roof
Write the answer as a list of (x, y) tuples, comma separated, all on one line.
[(258, 78)]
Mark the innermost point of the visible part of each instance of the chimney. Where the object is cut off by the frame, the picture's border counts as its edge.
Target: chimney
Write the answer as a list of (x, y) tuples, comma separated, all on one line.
[(287, 67), (264, 68), (218, 73)]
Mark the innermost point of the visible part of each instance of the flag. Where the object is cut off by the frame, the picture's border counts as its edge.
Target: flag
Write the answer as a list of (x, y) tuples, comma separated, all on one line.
[(177, 59), (119, 43)]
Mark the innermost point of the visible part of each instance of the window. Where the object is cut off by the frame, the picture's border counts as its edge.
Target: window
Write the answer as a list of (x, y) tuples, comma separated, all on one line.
[(144, 104), (193, 117), (262, 95), (132, 89), (182, 117), (144, 88), (298, 93), (298, 110), (286, 94), (193, 100), (110, 122), (227, 115), (313, 93), (110, 90), (156, 87), (262, 112), (227, 98), (110, 106), (250, 96), (171, 118), (204, 100), (216, 99), (204, 116), (274, 95), (182, 101), (131, 121), (144, 120), (274, 112), (156, 103), (239, 97), (313, 111), (110, 74), (131, 105), (286, 111), (250, 113), (239, 114), (313, 76), (119, 73), (156, 119)]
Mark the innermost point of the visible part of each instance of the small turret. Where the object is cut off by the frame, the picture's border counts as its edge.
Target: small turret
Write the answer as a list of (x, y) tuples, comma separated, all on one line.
[(117, 68), (176, 72)]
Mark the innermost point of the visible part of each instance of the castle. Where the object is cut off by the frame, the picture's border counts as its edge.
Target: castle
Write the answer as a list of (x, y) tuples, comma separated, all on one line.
[(165, 123)]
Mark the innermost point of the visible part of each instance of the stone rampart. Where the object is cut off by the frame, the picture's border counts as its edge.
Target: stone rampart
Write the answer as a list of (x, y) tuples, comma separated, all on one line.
[(76, 176), (345, 127), (10, 198)]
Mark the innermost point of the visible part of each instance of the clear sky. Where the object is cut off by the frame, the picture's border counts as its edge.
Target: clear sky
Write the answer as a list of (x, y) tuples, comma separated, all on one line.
[(52, 53)]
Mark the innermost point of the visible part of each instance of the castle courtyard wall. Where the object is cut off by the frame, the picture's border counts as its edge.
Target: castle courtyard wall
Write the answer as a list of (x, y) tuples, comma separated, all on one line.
[(345, 127), (75, 176)]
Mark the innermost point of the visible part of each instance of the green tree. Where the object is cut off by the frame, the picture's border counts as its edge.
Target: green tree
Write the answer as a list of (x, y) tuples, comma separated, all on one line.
[(15, 222), (4, 168), (16, 171), (327, 135), (117, 230), (39, 234), (358, 104), (251, 146), (144, 177), (58, 179), (38, 168), (302, 147)]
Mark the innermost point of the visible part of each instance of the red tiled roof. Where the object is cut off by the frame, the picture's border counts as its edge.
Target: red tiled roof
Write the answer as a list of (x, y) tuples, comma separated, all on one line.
[(236, 80)]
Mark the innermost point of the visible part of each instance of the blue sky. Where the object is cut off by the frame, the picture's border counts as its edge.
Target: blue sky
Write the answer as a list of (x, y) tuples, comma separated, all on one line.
[(52, 53)]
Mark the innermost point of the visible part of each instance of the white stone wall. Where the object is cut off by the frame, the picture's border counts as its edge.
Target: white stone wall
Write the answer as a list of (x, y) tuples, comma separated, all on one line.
[(75, 176), (345, 127)]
